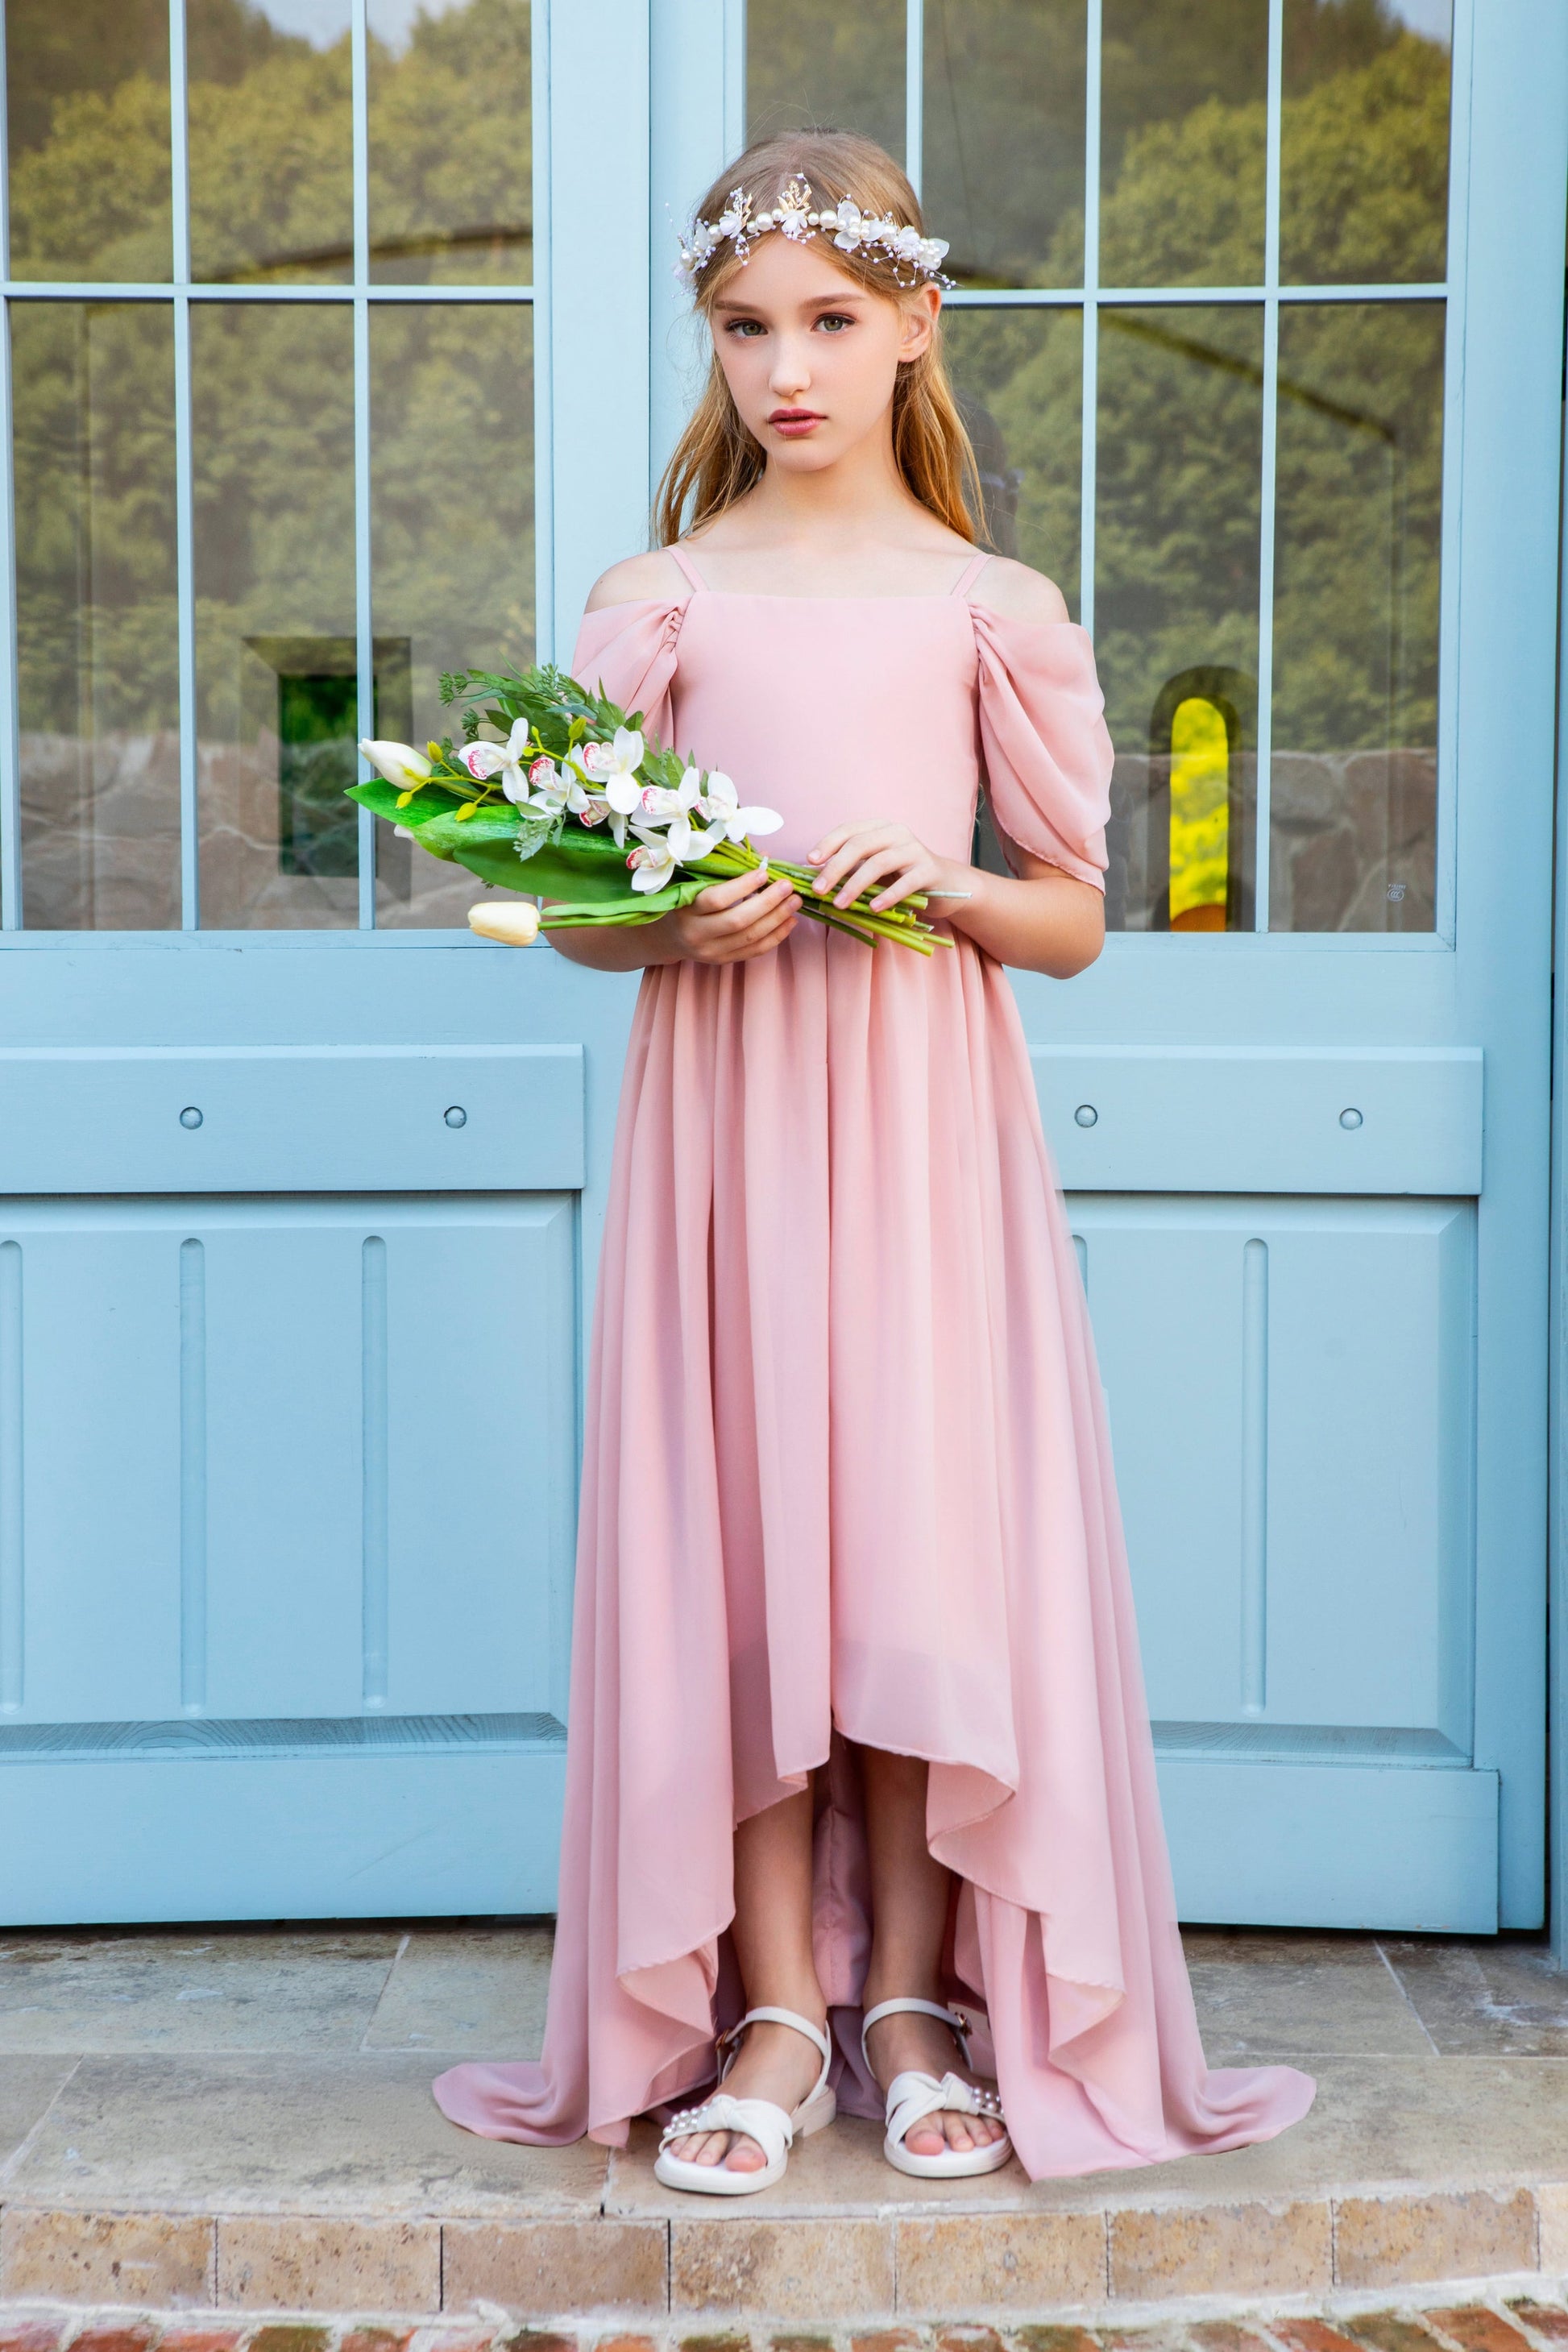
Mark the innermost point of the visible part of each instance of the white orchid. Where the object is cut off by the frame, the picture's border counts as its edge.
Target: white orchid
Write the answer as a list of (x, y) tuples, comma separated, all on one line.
[(669, 840), (652, 861), (556, 787), (720, 804), (662, 806), (399, 765), (485, 760), (615, 765)]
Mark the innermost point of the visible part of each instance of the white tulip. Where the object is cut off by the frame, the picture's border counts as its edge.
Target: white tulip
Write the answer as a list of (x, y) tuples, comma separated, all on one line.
[(513, 921), (398, 765)]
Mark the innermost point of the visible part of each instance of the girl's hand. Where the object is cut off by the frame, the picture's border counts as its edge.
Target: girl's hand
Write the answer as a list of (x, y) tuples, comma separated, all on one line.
[(854, 858), (731, 921)]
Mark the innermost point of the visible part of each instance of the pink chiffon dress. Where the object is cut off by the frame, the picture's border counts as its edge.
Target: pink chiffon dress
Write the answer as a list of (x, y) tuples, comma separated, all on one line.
[(846, 1475)]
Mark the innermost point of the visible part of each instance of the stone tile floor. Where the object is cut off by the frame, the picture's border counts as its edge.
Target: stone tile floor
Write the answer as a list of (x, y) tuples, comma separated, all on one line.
[(220, 2114)]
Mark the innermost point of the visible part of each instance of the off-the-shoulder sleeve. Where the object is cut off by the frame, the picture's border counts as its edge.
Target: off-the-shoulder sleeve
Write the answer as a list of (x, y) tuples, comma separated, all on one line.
[(628, 652), (1044, 741)]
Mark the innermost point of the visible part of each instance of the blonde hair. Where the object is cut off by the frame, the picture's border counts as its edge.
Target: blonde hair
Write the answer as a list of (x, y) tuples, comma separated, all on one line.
[(716, 460)]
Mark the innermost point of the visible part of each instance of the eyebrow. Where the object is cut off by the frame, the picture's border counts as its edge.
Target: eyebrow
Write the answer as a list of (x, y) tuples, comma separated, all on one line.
[(814, 302)]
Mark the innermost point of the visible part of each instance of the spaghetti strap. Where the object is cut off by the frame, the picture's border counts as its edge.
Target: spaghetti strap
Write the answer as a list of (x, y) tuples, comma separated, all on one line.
[(686, 565), (970, 574)]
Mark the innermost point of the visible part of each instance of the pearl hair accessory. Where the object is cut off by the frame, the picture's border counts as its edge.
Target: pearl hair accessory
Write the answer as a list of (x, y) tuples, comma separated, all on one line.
[(849, 227)]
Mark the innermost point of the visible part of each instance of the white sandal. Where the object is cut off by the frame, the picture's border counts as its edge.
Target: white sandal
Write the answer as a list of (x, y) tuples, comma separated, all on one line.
[(912, 2096), (759, 2119)]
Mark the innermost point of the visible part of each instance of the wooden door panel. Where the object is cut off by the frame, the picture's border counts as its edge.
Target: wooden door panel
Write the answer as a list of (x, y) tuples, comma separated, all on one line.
[(243, 1422), (1290, 1386), (92, 1628)]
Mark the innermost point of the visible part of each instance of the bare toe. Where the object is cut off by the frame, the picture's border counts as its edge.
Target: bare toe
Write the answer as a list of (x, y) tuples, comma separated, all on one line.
[(925, 2139), (745, 2156)]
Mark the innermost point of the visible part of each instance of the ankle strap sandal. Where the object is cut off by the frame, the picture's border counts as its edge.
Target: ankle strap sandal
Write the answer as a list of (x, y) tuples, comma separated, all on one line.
[(774, 2130), (911, 2096)]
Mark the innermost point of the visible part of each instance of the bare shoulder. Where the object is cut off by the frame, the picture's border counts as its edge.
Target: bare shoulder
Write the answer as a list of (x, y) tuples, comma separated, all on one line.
[(1019, 594), (641, 579)]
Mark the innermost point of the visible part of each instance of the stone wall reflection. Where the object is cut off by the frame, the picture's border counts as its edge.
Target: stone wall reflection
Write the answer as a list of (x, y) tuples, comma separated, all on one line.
[(1354, 840), (122, 873)]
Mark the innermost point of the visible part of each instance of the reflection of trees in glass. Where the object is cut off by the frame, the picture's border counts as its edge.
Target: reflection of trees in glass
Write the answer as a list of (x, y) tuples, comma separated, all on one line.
[(451, 524), (92, 388), (272, 145), (1003, 138), (272, 437), (1179, 460), (1178, 453), (269, 147), (450, 194), (452, 187), (1356, 616), (1019, 376), (817, 62)]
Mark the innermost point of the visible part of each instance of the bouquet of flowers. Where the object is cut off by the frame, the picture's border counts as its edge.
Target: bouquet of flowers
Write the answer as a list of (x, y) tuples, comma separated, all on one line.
[(576, 804)]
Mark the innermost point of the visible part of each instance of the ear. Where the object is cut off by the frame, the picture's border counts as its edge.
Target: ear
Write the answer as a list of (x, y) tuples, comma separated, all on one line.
[(921, 312)]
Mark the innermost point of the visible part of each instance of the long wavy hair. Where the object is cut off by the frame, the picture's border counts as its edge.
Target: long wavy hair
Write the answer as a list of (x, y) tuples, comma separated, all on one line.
[(716, 460)]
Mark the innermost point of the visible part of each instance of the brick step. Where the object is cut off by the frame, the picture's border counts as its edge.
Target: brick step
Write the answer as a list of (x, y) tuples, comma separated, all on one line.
[(1518, 2323)]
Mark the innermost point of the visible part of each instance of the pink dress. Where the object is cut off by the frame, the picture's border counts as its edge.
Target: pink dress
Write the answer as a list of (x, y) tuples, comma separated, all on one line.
[(847, 1474)]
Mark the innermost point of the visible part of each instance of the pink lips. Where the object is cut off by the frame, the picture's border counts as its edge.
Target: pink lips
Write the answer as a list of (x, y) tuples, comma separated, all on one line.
[(793, 423)]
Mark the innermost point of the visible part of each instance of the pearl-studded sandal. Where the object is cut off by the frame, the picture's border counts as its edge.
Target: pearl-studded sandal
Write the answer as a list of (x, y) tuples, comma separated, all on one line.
[(759, 2119), (912, 2096)]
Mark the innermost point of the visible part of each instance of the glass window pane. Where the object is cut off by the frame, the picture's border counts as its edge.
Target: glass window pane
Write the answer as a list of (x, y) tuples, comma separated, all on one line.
[(815, 61), (1176, 587), (93, 390), (1353, 791), (1018, 378), (273, 448), (1184, 132), (452, 532), (1364, 184), (451, 190), (271, 142), (1004, 130), (88, 114)]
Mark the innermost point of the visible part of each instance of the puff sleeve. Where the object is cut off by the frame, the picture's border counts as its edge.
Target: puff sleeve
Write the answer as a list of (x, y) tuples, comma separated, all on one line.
[(1043, 740), (628, 652)]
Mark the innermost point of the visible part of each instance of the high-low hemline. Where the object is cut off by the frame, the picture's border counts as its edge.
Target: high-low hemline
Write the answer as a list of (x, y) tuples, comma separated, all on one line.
[(846, 1458)]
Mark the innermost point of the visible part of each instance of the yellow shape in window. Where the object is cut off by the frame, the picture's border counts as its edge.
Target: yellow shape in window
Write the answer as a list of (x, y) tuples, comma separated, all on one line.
[(1200, 815)]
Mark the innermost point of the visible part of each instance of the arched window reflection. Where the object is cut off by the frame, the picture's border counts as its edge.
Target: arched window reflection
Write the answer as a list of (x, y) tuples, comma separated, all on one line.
[(1199, 822)]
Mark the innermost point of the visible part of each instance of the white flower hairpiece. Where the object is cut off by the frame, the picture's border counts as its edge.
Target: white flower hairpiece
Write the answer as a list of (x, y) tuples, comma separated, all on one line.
[(849, 227)]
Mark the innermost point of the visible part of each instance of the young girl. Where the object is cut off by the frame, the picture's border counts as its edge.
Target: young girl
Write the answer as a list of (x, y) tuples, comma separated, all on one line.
[(861, 1805)]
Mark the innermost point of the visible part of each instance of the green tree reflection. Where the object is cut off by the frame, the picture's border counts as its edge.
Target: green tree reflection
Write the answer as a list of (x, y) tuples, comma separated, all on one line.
[(1178, 419)]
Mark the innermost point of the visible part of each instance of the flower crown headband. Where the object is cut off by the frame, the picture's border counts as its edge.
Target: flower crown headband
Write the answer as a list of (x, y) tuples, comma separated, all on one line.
[(850, 228)]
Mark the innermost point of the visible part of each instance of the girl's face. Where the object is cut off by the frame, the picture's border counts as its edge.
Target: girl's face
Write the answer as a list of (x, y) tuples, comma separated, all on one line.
[(810, 354)]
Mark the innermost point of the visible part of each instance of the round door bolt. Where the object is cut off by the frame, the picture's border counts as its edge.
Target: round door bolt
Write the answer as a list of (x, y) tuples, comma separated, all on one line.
[(1349, 1118), (1086, 1114), (190, 1116), (456, 1116)]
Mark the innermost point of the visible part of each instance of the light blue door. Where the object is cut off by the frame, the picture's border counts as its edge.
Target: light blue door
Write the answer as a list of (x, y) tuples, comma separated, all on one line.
[(301, 1184), (296, 429), (1259, 333)]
